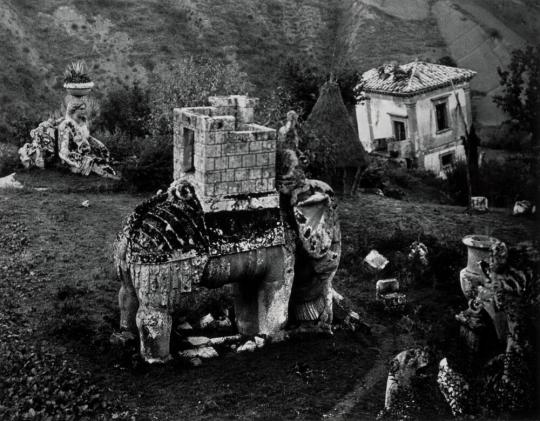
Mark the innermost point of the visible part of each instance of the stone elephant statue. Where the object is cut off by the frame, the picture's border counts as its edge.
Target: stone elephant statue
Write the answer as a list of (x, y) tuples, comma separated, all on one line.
[(281, 262)]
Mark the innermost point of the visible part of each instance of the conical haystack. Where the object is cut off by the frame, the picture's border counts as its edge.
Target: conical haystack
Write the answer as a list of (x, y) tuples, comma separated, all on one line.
[(329, 119)]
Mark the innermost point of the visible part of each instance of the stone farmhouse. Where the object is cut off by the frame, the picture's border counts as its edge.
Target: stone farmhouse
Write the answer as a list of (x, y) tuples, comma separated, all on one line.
[(415, 112)]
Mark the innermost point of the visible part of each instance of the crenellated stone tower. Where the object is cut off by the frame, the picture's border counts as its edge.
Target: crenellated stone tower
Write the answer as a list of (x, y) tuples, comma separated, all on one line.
[(227, 157)]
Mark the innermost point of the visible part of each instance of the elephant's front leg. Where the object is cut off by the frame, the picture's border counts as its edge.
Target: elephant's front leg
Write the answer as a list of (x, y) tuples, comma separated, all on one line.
[(154, 326), (312, 295)]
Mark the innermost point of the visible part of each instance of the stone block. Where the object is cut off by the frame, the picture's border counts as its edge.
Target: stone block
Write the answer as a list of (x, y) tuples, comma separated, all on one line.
[(213, 177), (268, 145), (248, 161), (209, 189), (255, 146), (220, 123), (268, 172), (241, 174), (209, 164), (227, 175), (235, 188), (255, 173), (221, 189), (235, 161), (213, 151), (221, 163), (263, 159)]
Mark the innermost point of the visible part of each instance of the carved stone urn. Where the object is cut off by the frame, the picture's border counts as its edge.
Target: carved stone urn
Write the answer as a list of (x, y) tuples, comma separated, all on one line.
[(478, 249), (79, 89)]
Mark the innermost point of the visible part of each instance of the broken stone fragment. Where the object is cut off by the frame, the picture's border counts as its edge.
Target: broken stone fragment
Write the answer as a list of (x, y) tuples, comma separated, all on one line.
[(224, 339), (205, 321), (386, 286), (523, 207), (9, 182), (375, 260), (122, 338), (204, 352), (248, 346), (395, 301), (198, 341), (479, 203), (185, 326), (195, 362), (259, 342), (454, 387), (223, 322), (342, 308)]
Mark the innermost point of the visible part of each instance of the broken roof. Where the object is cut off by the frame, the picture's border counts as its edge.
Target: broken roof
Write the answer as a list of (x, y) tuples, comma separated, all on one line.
[(412, 78)]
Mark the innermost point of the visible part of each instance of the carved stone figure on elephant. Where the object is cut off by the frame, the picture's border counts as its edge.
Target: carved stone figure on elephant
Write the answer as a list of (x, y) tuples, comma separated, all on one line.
[(281, 262)]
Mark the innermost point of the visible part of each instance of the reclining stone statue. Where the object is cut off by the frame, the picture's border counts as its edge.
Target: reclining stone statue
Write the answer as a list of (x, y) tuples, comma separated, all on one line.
[(223, 221), (67, 140)]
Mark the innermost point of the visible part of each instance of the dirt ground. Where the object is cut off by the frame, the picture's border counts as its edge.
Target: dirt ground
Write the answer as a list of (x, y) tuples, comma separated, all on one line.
[(57, 288)]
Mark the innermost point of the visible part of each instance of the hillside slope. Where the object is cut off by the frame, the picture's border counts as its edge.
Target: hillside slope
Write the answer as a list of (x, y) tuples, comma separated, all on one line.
[(123, 40)]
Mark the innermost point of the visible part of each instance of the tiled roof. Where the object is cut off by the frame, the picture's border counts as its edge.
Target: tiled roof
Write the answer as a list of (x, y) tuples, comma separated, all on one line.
[(412, 78)]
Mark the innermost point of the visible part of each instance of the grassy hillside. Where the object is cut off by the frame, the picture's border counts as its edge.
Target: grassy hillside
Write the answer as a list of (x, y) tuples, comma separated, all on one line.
[(57, 288)]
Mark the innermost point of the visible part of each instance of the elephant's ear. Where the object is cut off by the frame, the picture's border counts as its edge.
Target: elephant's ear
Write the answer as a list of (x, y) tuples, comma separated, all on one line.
[(314, 218)]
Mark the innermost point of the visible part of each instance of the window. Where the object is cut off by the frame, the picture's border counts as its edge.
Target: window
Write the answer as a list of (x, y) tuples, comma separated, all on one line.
[(442, 116), (447, 160), (399, 130), (189, 150)]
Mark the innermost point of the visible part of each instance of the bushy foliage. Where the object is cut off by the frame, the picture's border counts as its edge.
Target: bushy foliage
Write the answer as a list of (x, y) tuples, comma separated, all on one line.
[(521, 89), (17, 132), (126, 110), (273, 107), (152, 169), (447, 61), (136, 122), (502, 182), (303, 80), (190, 82), (9, 159), (456, 182)]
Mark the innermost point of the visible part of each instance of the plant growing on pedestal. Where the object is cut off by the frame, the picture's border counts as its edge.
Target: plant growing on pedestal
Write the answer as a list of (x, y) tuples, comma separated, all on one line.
[(76, 73)]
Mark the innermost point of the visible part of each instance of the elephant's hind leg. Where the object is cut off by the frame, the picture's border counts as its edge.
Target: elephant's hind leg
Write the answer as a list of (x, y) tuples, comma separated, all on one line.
[(127, 296), (128, 303), (263, 309), (155, 326)]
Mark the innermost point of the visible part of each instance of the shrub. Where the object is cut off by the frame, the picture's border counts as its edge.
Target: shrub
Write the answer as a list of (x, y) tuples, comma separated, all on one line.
[(17, 132), (502, 182), (126, 110), (153, 168), (9, 159), (190, 82), (456, 182)]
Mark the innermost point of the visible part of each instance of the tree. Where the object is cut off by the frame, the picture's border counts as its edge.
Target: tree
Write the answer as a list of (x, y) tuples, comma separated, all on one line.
[(521, 84), (303, 80), (126, 109), (188, 83)]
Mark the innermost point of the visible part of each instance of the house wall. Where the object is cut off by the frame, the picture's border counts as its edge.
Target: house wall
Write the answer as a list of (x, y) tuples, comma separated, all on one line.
[(375, 115), (378, 109), (428, 136)]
